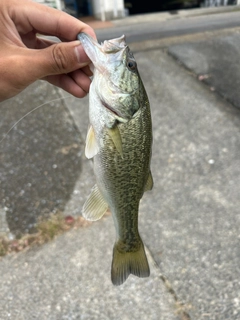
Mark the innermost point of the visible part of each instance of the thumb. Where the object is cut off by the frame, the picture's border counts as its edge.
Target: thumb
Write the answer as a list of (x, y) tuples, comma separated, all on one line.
[(60, 58), (23, 66)]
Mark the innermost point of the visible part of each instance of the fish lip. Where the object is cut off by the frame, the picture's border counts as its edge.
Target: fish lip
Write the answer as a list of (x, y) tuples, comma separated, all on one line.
[(91, 47), (83, 37), (116, 115)]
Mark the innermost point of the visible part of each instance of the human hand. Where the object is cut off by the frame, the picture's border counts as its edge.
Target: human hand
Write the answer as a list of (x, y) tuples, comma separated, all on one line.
[(25, 57)]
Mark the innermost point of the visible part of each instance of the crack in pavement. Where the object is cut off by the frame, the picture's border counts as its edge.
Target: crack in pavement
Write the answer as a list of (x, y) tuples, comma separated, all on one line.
[(180, 306)]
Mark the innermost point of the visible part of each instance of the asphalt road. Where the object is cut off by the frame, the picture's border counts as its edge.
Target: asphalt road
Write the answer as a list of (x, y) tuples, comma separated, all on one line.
[(154, 29)]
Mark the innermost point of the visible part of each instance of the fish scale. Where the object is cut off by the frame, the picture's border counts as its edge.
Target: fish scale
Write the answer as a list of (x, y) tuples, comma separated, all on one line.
[(119, 140)]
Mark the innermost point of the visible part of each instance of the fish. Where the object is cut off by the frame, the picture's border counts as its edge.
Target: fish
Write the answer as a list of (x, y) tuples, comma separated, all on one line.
[(119, 140)]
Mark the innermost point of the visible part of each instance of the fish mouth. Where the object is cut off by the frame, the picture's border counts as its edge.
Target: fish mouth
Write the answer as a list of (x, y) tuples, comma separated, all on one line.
[(116, 114), (100, 53), (108, 46)]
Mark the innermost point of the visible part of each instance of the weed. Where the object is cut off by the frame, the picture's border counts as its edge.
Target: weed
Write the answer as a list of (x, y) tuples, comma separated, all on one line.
[(46, 230)]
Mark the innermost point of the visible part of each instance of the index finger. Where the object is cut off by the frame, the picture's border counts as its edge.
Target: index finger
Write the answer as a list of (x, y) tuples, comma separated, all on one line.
[(29, 16)]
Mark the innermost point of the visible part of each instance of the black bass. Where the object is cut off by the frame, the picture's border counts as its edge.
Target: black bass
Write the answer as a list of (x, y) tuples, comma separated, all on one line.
[(119, 139)]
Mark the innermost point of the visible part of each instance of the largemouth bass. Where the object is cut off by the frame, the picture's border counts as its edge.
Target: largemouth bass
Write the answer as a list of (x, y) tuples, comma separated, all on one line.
[(119, 139)]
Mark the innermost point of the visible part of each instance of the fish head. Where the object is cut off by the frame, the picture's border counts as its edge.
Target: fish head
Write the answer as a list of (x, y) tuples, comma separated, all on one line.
[(116, 78)]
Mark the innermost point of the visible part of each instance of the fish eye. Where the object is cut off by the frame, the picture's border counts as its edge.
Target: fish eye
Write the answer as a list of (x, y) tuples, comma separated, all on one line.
[(132, 65)]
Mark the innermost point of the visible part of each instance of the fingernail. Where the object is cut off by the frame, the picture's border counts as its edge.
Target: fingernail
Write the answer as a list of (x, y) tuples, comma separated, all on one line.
[(81, 55)]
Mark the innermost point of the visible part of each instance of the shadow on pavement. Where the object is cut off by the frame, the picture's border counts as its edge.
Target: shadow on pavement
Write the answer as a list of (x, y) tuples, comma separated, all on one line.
[(39, 159)]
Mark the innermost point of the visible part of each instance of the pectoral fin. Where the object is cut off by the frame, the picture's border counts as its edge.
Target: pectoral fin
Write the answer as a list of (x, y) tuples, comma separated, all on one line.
[(115, 135), (95, 206), (149, 183), (91, 148)]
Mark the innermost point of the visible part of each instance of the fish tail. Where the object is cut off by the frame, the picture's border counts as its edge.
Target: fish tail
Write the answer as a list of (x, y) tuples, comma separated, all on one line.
[(125, 263)]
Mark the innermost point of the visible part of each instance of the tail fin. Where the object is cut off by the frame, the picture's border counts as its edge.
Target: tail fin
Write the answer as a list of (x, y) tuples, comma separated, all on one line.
[(125, 263)]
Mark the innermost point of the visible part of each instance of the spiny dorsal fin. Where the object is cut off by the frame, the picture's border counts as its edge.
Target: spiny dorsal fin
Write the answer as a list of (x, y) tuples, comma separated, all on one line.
[(116, 138), (95, 206), (91, 148), (149, 183)]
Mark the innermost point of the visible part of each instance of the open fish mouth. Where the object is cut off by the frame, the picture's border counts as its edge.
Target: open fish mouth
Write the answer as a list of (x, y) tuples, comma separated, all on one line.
[(100, 53), (108, 46)]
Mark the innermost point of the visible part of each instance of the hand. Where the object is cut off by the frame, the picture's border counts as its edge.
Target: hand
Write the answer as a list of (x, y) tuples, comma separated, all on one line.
[(25, 57)]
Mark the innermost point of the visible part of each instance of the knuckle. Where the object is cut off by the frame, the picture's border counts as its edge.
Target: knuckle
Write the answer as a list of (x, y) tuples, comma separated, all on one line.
[(59, 57)]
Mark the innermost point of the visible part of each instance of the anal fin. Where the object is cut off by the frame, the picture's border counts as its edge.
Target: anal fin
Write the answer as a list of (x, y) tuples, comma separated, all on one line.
[(95, 205)]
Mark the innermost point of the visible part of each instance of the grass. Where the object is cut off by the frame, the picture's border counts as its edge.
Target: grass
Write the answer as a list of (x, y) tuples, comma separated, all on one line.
[(46, 230)]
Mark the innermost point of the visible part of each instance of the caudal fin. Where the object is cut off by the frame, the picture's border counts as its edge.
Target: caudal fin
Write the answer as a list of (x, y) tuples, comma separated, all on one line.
[(125, 263)]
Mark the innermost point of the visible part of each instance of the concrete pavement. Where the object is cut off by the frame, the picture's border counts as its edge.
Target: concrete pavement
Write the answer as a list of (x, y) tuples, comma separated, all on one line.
[(189, 222)]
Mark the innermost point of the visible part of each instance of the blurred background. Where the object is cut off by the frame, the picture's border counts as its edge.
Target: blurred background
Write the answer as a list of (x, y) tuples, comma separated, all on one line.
[(109, 9)]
